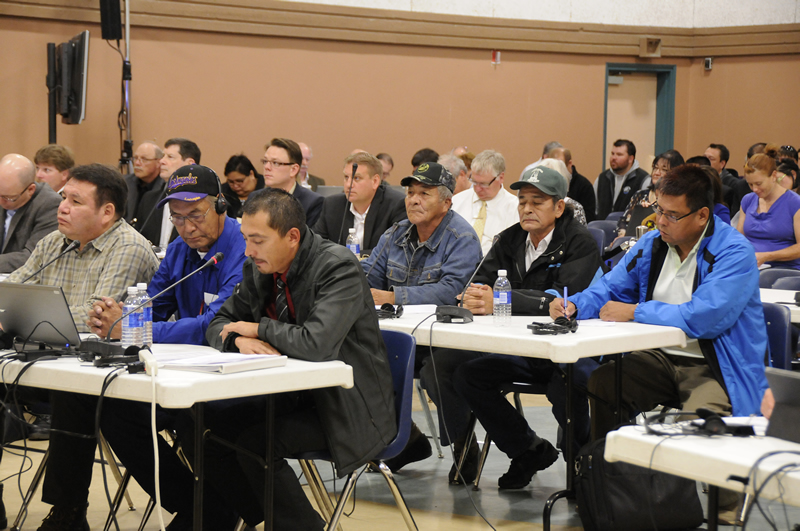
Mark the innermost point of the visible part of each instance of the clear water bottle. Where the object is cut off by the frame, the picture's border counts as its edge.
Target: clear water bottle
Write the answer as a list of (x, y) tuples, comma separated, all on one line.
[(132, 324), (352, 243), (147, 315), (501, 301)]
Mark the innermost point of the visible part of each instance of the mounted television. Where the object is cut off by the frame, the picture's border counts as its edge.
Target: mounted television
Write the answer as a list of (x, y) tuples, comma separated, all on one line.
[(71, 74)]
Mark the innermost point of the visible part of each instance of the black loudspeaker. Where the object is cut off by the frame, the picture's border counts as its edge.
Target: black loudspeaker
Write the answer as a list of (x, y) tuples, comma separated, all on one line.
[(111, 20)]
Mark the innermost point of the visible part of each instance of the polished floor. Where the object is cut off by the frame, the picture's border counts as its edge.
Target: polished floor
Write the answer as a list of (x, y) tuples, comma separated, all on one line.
[(434, 504)]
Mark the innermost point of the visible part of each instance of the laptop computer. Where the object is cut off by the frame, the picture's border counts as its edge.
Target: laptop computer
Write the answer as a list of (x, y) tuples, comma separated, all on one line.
[(784, 423), (39, 314)]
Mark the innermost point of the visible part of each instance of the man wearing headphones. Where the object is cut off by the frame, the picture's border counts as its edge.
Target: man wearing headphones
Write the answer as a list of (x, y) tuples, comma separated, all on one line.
[(197, 208)]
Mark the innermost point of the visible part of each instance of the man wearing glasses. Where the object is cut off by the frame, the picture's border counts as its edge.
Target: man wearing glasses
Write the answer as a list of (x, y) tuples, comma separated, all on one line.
[(27, 211), (487, 205), (282, 162), (144, 191), (367, 205), (698, 274), (204, 229)]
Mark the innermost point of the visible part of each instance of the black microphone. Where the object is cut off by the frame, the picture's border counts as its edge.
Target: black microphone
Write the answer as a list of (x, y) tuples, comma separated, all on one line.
[(446, 314), (347, 205), (74, 245), (103, 349)]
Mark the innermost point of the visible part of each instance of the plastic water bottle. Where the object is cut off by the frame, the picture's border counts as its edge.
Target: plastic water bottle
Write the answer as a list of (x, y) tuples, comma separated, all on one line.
[(147, 315), (132, 324), (501, 301), (352, 243)]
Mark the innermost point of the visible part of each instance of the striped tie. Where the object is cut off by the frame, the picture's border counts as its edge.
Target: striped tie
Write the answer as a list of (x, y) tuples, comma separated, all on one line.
[(281, 306)]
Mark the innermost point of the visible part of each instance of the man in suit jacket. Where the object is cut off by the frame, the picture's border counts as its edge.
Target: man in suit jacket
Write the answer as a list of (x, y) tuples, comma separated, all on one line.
[(145, 189), (372, 208), (304, 178), (282, 162), (28, 211)]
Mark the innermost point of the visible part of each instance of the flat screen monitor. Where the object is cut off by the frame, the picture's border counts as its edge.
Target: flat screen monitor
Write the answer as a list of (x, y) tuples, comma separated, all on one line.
[(72, 68)]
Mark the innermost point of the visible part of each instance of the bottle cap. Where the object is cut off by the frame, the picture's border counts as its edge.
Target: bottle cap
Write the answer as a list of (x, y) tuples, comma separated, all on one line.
[(502, 272), (133, 290), (352, 230)]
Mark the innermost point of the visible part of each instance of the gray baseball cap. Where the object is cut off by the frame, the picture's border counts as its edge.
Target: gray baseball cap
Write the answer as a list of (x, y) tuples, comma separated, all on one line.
[(548, 181)]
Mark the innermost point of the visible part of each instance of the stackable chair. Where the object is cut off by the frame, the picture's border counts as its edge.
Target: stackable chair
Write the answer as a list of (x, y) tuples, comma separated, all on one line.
[(609, 228), (614, 216), (599, 237), (401, 349), (768, 277)]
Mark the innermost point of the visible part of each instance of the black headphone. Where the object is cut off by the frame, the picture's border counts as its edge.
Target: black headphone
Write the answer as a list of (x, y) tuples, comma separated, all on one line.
[(388, 311), (221, 205), (561, 325)]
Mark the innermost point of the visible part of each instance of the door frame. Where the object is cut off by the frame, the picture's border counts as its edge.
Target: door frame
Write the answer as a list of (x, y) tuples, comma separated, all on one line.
[(665, 102)]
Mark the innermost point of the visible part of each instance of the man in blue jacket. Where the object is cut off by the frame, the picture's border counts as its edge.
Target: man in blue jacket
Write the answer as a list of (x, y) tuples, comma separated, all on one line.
[(695, 273), (193, 194)]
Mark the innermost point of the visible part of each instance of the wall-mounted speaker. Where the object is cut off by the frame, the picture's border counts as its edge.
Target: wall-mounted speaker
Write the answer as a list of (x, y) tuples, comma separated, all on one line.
[(111, 20)]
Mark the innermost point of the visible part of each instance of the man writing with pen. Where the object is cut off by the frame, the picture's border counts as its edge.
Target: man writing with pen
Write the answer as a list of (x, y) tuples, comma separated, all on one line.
[(547, 252)]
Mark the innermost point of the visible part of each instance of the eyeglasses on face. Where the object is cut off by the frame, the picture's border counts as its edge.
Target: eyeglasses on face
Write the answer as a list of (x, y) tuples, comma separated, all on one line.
[(137, 158), (671, 217), (275, 163), (482, 185), (180, 221)]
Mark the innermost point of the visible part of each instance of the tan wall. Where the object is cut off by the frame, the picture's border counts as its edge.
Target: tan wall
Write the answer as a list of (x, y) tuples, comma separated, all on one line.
[(232, 93)]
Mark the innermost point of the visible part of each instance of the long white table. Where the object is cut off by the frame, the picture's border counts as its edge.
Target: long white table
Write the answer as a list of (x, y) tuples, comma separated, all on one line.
[(714, 460), (184, 389), (593, 338), (782, 296)]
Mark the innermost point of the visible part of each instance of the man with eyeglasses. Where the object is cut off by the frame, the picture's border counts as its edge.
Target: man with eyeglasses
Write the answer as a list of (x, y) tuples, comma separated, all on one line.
[(487, 205), (282, 161), (144, 190), (696, 273), (204, 230), (367, 204), (27, 211)]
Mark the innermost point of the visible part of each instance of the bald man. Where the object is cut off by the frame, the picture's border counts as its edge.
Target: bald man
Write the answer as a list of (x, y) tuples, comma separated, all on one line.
[(145, 190), (28, 211)]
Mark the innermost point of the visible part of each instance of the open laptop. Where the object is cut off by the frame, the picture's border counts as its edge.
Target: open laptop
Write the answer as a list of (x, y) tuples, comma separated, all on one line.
[(784, 423), (39, 314)]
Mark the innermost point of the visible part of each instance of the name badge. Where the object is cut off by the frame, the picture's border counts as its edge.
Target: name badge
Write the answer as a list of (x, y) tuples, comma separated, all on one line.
[(210, 297)]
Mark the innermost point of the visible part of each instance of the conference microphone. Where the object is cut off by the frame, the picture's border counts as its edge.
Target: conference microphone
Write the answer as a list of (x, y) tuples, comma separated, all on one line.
[(105, 349), (347, 205), (72, 246), (447, 314)]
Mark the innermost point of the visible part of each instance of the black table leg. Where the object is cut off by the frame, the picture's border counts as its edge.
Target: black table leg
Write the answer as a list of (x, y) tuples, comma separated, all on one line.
[(618, 388), (713, 507), (199, 446), (269, 472), (569, 455)]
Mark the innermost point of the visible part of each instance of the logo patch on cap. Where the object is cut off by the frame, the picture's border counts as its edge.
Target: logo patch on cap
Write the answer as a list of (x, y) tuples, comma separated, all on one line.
[(423, 167), (535, 175), (182, 181)]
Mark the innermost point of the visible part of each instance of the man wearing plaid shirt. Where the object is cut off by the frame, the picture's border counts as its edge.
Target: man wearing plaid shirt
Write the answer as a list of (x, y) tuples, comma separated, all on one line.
[(111, 256)]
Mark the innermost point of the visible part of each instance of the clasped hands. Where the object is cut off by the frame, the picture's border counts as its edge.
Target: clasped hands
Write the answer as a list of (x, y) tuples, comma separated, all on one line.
[(248, 341)]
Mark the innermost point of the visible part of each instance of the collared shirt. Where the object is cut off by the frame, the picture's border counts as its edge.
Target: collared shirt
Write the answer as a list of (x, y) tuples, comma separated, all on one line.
[(358, 223), (166, 228), (107, 265), (9, 215), (675, 284), (501, 213), (532, 253)]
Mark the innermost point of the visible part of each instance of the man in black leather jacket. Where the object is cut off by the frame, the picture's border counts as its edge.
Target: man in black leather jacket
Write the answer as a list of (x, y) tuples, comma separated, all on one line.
[(329, 316)]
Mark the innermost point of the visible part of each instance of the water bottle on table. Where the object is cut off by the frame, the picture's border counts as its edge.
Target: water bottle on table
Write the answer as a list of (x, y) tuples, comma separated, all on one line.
[(352, 243), (132, 324), (501, 300), (147, 315)]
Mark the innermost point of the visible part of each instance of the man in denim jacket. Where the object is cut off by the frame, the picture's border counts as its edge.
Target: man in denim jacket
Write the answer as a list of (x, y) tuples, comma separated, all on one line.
[(428, 258)]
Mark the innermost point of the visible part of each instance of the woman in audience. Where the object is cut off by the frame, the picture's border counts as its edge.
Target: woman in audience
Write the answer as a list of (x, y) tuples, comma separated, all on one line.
[(560, 167), (242, 179), (639, 207), (721, 210), (787, 174), (770, 216)]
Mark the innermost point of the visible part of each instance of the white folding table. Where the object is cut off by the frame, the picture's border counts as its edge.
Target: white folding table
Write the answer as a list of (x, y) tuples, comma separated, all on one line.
[(183, 389), (716, 460), (593, 338)]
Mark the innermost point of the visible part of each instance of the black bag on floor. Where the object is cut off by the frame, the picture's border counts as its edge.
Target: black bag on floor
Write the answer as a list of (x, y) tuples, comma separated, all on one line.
[(624, 497)]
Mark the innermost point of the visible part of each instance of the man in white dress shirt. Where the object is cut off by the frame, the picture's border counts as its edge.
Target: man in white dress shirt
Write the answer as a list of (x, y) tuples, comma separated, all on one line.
[(487, 206)]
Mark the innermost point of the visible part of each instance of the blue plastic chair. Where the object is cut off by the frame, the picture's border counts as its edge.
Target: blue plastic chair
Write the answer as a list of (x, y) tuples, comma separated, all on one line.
[(608, 227), (779, 334), (614, 216), (599, 237), (768, 277), (401, 348), (788, 283)]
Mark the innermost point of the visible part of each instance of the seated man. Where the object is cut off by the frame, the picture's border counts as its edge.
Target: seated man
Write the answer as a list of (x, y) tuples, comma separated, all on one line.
[(367, 205), (53, 163), (145, 188), (111, 257), (429, 257), (306, 298), (545, 252), (27, 211), (204, 230), (695, 273), (282, 161), (426, 259)]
